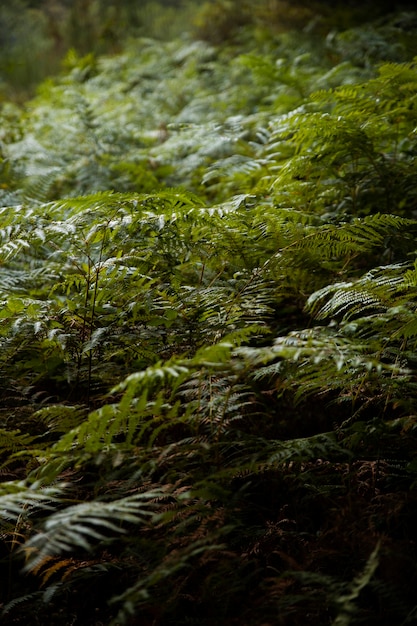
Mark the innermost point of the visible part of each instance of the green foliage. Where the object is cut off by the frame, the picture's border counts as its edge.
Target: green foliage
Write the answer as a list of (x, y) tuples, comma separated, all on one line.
[(208, 284), (36, 36), (25, 56)]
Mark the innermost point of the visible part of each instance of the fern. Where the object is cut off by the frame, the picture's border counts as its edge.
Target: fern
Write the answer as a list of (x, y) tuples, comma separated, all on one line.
[(20, 501), (82, 525), (378, 289), (344, 617), (208, 329)]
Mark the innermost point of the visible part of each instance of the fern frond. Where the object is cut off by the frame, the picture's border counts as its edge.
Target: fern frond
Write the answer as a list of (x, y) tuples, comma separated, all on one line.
[(60, 418), (29, 598), (377, 290), (83, 525), (361, 235), (347, 601), (17, 499)]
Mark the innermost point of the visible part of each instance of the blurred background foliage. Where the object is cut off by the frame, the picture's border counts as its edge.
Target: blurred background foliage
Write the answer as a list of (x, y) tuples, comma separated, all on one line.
[(36, 35)]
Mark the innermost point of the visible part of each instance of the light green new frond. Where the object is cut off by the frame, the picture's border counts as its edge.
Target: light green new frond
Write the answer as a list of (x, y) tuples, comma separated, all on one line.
[(144, 398), (157, 375)]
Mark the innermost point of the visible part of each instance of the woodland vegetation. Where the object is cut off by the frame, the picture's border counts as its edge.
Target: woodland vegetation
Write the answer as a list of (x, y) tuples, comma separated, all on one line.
[(208, 328)]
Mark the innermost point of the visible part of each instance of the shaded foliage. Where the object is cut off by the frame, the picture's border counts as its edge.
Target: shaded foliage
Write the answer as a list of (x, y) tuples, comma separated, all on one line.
[(207, 330)]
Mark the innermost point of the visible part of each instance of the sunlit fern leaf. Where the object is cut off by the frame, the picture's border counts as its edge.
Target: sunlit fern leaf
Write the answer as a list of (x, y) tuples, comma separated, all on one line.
[(128, 418), (13, 441), (60, 418), (379, 289), (82, 526), (18, 499), (346, 300)]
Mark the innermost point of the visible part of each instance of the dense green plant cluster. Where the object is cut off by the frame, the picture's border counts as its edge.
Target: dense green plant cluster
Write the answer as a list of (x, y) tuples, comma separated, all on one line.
[(208, 289)]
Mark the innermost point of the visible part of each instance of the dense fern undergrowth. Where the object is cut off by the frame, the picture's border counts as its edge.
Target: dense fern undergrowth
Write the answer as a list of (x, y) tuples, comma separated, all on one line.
[(208, 330)]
